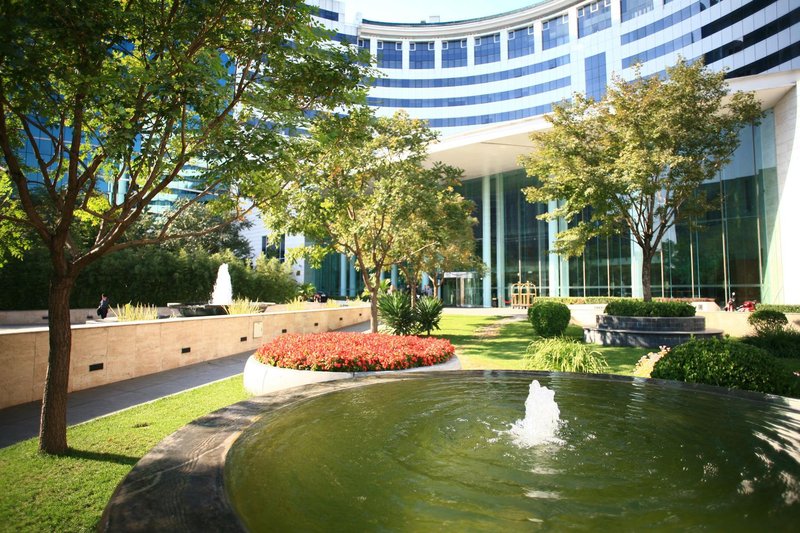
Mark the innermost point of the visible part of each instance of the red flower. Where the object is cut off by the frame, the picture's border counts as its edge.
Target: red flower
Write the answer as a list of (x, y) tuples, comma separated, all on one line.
[(353, 352)]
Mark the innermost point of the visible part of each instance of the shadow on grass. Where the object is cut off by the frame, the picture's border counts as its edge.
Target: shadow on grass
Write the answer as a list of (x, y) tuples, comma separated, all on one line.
[(103, 457)]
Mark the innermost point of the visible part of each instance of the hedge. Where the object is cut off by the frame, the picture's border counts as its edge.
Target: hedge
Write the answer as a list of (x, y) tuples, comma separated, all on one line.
[(780, 308), (651, 309)]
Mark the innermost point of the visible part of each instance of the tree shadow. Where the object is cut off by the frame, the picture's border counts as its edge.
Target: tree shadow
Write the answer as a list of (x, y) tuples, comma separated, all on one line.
[(103, 457)]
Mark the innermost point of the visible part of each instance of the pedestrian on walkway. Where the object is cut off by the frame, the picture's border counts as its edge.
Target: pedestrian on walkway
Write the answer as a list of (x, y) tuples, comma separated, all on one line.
[(102, 309)]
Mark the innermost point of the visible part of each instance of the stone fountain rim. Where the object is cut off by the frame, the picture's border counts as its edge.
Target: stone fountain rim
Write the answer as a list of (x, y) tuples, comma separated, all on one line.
[(179, 484)]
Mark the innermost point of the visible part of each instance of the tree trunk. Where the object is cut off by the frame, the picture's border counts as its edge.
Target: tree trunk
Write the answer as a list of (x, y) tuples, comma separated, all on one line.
[(373, 310), (53, 428), (647, 263)]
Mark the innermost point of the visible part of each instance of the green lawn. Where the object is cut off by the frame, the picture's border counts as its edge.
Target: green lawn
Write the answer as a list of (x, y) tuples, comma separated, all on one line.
[(41, 493), (506, 349)]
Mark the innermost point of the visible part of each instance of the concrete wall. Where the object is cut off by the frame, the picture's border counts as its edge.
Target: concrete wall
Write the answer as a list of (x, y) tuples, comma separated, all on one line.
[(76, 316), (120, 351)]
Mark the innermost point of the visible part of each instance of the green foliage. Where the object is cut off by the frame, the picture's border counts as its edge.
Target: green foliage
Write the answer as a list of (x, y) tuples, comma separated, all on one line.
[(549, 319), (578, 300), (132, 313), (428, 313), (634, 161), (726, 363), (148, 275), (781, 308), (767, 321), (396, 313), (653, 309), (784, 343), (242, 306), (298, 304), (14, 240), (400, 318), (564, 355)]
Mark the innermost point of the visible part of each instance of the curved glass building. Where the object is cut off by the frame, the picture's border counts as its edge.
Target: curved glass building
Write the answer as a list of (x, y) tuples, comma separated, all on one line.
[(486, 83)]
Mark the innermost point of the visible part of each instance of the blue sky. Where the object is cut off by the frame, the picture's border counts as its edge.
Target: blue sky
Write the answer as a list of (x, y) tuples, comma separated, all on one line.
[(418, 10)]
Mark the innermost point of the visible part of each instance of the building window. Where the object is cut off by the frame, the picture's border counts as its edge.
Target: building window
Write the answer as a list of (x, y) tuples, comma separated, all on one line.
[(454, 54), (595, 74), (520, 43), (421, 56), (555, 32), (487, 49), (633, 8), (390, 54), (593, 17)]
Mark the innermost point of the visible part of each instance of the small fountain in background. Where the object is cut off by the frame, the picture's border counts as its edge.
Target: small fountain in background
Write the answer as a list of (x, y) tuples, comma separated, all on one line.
[(541, 420), (223, 291)]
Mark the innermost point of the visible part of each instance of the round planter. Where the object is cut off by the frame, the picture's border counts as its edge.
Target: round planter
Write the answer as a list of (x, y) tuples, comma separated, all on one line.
[(262, 379), (647, 332)]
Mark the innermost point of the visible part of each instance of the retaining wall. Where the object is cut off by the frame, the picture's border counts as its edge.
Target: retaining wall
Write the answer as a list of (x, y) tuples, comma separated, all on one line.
[(109, 352)]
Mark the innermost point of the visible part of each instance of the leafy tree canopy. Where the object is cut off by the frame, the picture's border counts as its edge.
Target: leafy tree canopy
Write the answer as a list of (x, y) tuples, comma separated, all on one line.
[(636, 158)]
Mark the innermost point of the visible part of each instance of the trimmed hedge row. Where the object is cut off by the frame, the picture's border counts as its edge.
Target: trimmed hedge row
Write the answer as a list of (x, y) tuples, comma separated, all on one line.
[(574, 300), (727, 363), (652, 309), (780, 308)]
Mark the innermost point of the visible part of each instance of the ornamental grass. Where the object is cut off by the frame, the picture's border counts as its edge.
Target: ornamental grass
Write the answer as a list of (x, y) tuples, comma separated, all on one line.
[(353, 352)]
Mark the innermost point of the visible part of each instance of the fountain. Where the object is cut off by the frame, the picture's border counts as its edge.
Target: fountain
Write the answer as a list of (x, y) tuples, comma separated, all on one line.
[(221, 296), (452, 451)]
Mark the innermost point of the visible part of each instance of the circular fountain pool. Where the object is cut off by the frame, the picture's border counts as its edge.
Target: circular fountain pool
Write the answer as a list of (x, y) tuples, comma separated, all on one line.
[(435, 452)]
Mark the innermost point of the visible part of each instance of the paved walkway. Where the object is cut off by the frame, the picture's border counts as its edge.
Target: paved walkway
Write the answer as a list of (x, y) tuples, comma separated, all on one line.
[(21, 422)]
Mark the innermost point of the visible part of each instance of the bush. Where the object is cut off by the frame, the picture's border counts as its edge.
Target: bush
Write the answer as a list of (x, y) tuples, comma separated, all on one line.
[(578, 300), (549, 319), (782, 343), (781, 308), (563, 355), (353, 352), (401, 319), (767, 321), (653, 309), (725, 363), (428, 313)]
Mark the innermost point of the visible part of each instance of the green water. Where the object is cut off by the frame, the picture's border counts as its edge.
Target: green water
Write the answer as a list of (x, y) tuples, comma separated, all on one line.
[(431, 454)]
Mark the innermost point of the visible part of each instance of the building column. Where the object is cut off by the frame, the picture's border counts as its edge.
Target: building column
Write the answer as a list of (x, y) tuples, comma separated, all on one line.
[(500, 243), (558, 268), (351, 289), (394, 276), (343, 274), (637, 289), (785, 288), (486, 252)]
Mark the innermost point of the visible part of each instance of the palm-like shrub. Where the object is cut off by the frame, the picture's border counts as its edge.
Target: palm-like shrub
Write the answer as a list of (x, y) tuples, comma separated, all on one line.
[(396, 313), (564, 355), (549, 319), (428, 313)]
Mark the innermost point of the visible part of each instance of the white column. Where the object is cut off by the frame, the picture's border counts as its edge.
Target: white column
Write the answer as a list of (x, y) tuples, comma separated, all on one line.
[(500, 243), (486, 252), (637, 289), (343, 274), (554, 274), (787, 148)]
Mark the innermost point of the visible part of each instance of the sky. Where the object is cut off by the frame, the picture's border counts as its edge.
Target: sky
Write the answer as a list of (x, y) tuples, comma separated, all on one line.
[(418, 10)]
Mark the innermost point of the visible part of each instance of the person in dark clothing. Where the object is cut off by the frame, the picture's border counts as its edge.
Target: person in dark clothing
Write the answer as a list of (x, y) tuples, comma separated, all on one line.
[(102, 309)]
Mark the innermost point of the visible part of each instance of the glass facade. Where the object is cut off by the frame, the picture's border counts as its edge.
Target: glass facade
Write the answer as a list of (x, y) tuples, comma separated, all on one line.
[(454, 53), (390, 54), (487, 49), (633, 8), (595, 73), (421, 55), (520, 42), (594, 17), (555, 32)]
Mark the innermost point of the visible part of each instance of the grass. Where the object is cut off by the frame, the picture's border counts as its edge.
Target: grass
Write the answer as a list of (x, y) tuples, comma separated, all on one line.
[(69, 493), (504, 349)]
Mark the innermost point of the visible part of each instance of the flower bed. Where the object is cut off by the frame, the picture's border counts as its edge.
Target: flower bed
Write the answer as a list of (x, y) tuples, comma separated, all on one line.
[(353, 352)]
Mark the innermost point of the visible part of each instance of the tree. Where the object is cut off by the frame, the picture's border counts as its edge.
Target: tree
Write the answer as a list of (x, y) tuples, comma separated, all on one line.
[(637, 157), (117, 100), (363, 182), (440, 238)]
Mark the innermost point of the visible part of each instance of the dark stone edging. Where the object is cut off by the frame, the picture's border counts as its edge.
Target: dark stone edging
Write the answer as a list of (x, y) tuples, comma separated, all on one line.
[(651, 323), (179, 484), (647, 332)]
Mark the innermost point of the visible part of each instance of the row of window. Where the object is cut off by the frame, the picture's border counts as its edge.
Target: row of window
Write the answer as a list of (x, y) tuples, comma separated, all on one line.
[(522, 92), (453, 122)]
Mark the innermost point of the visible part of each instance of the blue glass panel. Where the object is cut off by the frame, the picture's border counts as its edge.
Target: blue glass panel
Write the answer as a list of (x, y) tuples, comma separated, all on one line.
[(594, 17), (389, 56), (520, 42), (633, 8), (555, 32), (595, 70), (454, 53), (487, 49), (421, 55)]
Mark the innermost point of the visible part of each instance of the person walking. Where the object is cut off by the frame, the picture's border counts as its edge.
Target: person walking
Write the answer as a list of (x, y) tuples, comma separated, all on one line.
[(102, 309)]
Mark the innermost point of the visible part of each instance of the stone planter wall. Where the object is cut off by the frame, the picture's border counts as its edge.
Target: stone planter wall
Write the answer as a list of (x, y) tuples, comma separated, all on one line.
[(647, 332), (115, 351)]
